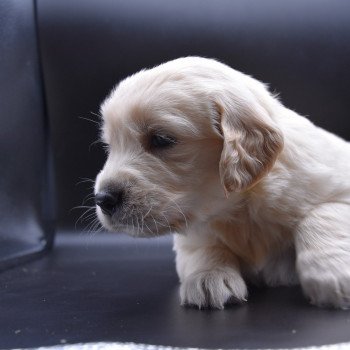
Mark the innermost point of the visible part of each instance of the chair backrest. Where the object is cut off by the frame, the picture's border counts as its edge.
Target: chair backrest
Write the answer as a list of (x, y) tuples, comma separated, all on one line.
[(301, 48), (26, 199)]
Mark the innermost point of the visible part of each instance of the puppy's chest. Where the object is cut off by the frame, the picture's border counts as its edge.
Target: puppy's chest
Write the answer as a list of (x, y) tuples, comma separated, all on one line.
[(252, 243)]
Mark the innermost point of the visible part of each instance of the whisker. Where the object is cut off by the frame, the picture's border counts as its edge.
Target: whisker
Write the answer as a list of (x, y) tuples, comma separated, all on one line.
[(90, 120), (147, 212), (84, 180), (96, 114), (155, 223), (166, 219), (94, 225), (94, 143), (89, 216), (148, 228), (89, 225), (89, 197), (132, 224), (143, 217), (83, 207), (138, 227), (180, 211), (82, 217)]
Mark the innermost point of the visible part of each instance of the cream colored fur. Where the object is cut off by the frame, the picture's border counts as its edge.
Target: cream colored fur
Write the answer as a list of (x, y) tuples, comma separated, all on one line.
[(251, 189)]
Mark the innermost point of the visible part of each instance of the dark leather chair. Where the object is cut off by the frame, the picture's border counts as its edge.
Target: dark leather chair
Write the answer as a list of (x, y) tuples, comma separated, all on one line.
[(59, 59)]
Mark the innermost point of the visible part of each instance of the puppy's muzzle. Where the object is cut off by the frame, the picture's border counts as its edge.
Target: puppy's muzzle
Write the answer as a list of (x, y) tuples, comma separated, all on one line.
[(109, 201)]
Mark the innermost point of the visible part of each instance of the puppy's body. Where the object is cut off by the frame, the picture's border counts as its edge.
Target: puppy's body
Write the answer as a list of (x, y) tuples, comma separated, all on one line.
[(267, 224), (252, 189)]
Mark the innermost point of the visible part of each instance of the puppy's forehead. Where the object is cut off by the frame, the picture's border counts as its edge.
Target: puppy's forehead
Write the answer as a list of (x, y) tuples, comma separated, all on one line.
[(140, 118), (141, 103)]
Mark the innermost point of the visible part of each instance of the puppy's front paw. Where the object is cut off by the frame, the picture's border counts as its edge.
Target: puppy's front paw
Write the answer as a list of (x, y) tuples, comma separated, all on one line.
[(213, 288), (325, 280)]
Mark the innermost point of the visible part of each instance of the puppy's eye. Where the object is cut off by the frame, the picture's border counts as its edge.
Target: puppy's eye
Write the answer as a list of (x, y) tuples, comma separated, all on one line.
[(161, 141)]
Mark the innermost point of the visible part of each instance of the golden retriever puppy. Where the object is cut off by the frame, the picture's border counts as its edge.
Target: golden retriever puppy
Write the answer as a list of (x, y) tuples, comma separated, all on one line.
[(251, 190)]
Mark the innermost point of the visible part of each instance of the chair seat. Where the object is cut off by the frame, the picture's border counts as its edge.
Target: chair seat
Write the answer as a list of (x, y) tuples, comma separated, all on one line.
[(111, 288)]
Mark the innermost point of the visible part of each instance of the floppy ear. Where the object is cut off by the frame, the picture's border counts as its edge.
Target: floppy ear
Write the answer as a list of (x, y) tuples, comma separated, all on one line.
[(251, 144)]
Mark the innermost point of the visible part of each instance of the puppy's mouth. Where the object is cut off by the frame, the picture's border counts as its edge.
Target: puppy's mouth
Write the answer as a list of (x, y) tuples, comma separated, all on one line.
[(142, 223)]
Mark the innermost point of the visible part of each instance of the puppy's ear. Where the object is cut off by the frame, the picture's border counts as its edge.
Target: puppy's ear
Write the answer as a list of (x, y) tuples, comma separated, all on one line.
[(251, 144)]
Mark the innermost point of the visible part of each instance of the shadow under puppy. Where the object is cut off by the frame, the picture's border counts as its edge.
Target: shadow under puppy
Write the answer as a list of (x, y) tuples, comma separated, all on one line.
[(250, 188)]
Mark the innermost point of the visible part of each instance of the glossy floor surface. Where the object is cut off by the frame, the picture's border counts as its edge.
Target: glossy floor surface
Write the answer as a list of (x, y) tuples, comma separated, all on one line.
[(94, 288)]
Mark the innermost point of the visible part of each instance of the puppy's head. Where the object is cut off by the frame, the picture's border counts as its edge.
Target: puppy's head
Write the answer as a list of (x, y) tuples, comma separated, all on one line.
[(180, 136)]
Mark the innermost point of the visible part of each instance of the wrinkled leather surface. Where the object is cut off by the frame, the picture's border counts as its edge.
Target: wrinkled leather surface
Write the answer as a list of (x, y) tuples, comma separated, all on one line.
[(25, 205), (301, 48)]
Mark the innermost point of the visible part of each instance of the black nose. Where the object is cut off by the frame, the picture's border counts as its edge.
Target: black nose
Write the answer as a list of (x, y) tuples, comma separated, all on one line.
[(108, 201)]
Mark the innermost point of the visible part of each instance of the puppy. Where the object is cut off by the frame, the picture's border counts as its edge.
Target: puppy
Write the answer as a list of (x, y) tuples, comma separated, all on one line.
[(252, 190)]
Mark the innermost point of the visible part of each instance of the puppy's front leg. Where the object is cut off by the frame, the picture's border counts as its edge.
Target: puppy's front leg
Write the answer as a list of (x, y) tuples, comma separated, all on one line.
[(208, 272), (323, 255)]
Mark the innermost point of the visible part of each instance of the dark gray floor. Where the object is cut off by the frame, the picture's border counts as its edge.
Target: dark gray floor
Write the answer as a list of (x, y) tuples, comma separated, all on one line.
[(112, 288)]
